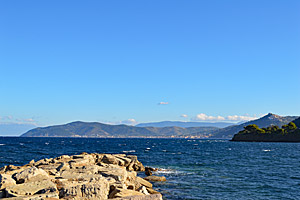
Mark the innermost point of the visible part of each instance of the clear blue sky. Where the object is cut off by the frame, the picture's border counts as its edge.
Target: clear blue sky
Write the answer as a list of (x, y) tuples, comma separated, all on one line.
[(111, 61)]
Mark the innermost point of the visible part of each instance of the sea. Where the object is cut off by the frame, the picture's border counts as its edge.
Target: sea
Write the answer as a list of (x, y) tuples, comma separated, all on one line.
[(194, 168)]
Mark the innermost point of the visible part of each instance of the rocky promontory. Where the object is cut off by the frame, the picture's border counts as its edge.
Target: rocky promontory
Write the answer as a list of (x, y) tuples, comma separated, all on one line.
[(79, 177)]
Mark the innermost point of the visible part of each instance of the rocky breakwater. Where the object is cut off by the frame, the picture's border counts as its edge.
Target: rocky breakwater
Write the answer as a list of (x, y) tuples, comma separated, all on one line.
[(85, 176)]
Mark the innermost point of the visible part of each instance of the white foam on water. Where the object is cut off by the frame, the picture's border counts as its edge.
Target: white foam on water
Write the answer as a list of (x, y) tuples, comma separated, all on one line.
[(266, 150), (130, 151), (2, 144), (164, 150), (22, 144), (46, 143), (148, 148)]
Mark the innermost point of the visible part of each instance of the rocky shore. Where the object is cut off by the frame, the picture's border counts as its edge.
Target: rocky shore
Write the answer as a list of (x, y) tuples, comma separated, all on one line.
[(79, 177)]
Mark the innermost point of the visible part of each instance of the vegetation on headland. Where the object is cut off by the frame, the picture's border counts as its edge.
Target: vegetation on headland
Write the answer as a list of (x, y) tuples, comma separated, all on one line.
[(287, 133)]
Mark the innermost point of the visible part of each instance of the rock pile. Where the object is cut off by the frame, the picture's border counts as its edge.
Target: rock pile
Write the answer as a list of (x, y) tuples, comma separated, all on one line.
[(79, 177)]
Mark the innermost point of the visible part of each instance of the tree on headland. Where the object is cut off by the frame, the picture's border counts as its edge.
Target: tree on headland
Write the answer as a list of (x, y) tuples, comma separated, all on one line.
[(290, 126)]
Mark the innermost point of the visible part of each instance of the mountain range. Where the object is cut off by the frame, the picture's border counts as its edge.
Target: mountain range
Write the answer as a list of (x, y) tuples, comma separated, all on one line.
[(185, 124), (95, 129)]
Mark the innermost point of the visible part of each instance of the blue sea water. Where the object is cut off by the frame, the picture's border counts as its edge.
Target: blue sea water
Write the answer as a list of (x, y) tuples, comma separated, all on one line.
[(195, 169)]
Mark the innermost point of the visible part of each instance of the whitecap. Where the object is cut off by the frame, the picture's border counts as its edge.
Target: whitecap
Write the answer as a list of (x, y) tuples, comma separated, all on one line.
[(46, 143), (130, 151), (164, 150), (266, 150), (21, 143), (148, 148), (2, 144)]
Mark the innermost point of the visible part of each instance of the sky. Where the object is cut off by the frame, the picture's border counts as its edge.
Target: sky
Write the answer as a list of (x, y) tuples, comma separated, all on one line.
[(143, 61)]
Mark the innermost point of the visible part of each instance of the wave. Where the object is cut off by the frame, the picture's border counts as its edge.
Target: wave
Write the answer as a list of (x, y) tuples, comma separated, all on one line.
[(130, 151), (2, 144)]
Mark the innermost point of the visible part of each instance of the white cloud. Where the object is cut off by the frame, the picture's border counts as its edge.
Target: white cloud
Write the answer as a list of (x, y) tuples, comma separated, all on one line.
[(204, 117), (129, 122), (240, 118), (163, 103), (184, 115)]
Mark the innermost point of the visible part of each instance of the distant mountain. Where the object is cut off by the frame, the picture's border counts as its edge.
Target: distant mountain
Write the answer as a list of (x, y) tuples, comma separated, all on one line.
[(95, 129), (13, 129), (185, 124), (268, 120)]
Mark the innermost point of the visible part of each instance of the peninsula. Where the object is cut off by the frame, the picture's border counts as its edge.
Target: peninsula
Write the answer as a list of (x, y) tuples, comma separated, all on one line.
[(287, 133)]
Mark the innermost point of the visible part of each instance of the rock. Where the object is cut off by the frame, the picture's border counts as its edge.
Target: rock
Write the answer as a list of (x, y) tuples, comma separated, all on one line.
[(151, 191), (155, 178), (123, 193), (31, 188), (143, 190), (6, 180), (148, 172), (2, 194), (135, 165), (79, 177), (110, 159), (151, 169), (63, 166), (139, 197), (49, 196), (31, 162), (118, 173), (97, 188), (143, 182), (31, 174), (7, 168)]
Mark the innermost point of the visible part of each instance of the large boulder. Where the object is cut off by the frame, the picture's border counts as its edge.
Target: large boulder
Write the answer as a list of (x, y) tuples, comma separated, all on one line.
[(98, 188), (31, 174), (31, 188), (155, 178), (143, 182)]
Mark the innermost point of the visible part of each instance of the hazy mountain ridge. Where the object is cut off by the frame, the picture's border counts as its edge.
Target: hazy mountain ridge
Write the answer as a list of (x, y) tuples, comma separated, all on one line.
[(263, 122), (185, 124), (95, 129)]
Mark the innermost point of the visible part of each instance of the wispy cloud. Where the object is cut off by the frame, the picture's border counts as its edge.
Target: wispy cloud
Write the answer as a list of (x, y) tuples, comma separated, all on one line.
[(10, 119), (205, 117), (184, 115), (163, 103)]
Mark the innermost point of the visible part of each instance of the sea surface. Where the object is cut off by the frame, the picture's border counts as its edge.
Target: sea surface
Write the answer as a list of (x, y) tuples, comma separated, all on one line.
[(195, 169)]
